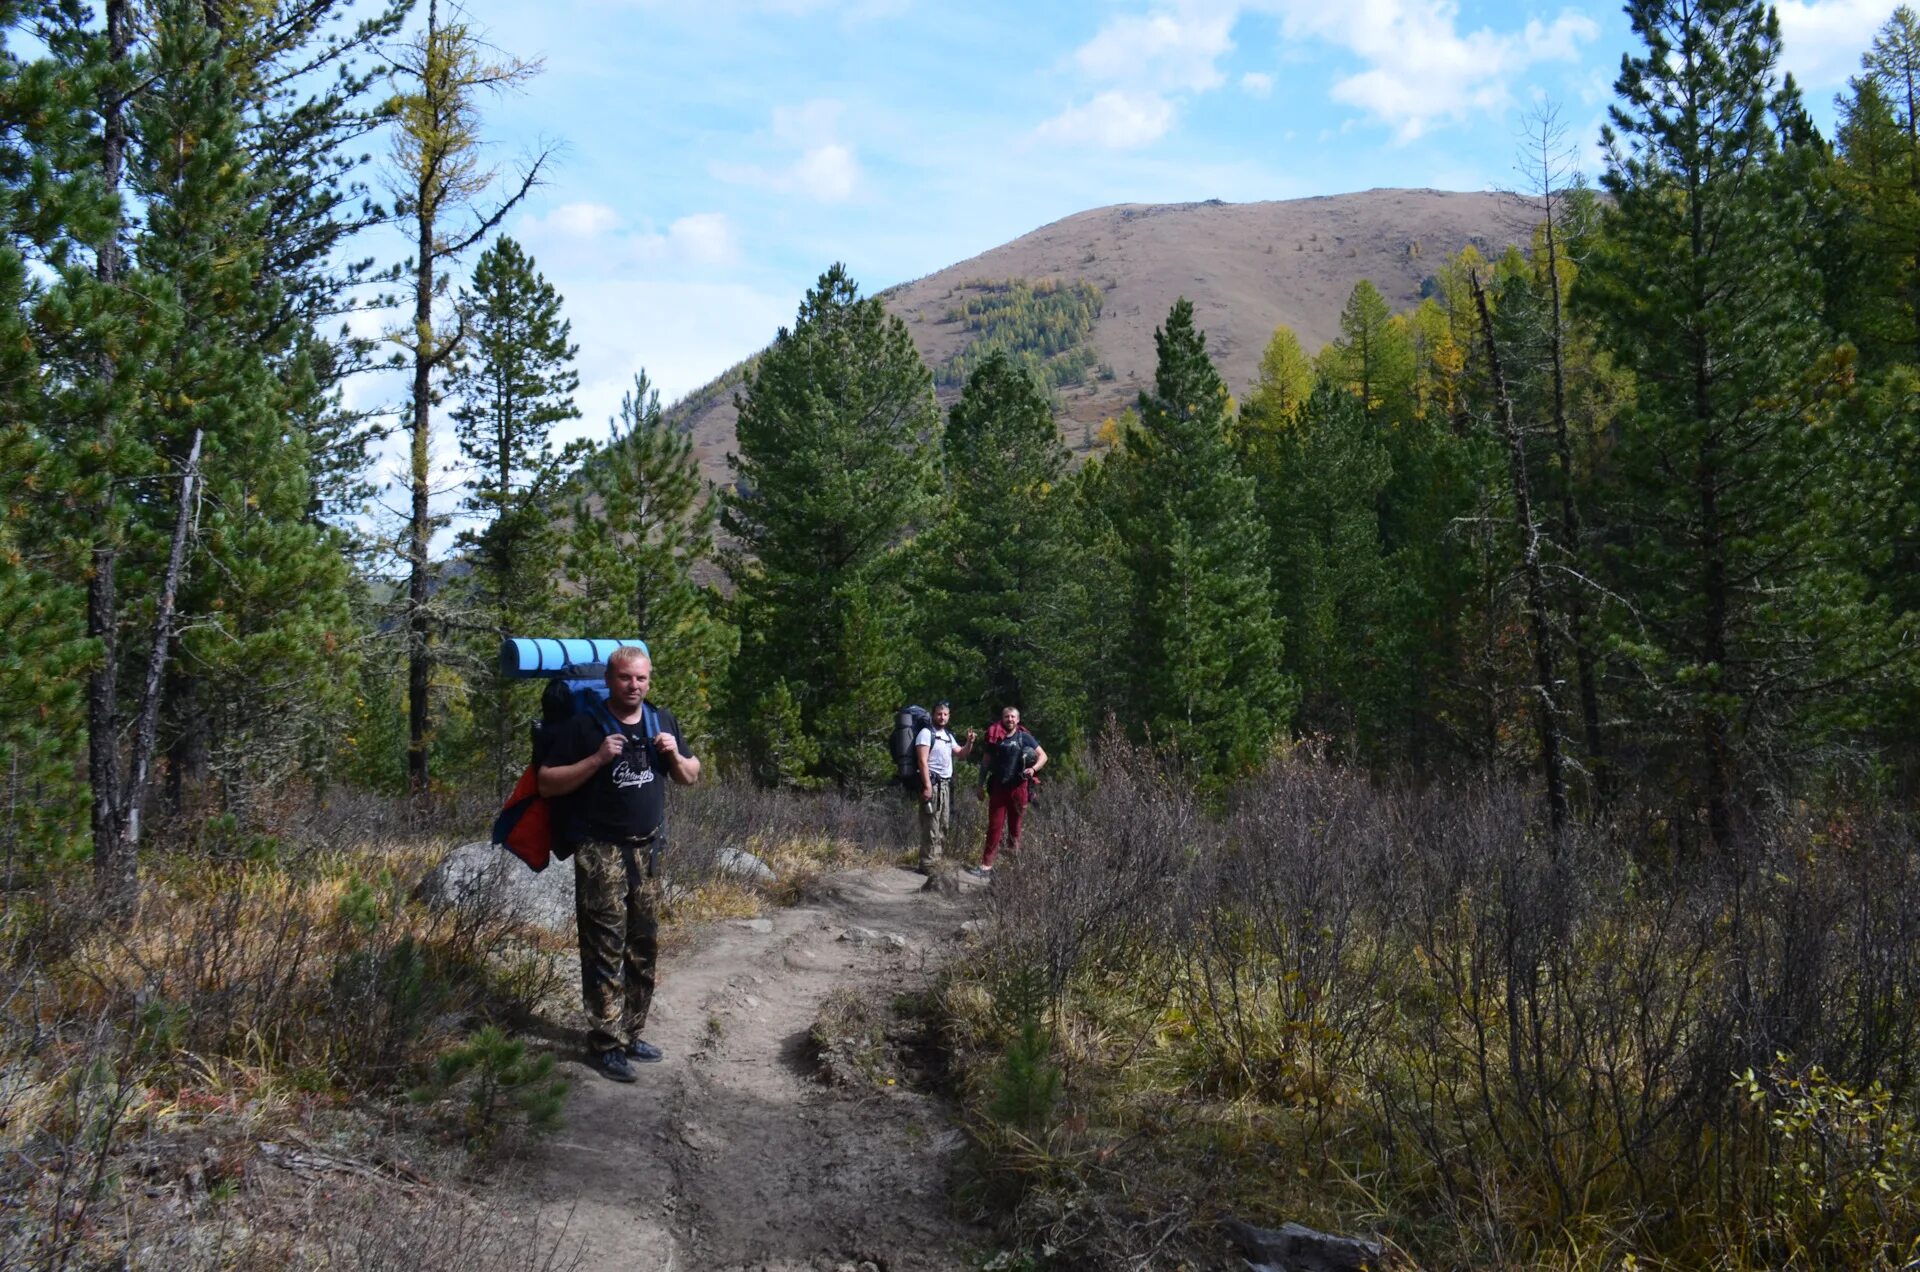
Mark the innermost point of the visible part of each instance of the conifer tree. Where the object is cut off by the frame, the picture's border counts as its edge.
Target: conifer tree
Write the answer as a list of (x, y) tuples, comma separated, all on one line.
[(1705, 297), (835, 472), (1880, 177), (103, 319), (302, 75), (262, 598), (639, 537), (514, 383), (1275, 402), (1320, 490), (1373, 358), (44, 656), (1009, 582), (439, 186), (1206, 650)]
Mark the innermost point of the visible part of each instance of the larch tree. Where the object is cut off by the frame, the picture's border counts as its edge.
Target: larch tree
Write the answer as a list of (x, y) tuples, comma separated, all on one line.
[(440, 190)]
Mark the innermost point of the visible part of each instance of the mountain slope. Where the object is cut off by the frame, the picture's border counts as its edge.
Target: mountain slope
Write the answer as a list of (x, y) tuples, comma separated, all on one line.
[(1247, 267)]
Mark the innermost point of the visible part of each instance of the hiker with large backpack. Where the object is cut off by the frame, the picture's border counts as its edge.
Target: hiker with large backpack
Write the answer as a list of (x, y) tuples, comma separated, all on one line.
[(1011, 758), (935, 750), (608, 762)]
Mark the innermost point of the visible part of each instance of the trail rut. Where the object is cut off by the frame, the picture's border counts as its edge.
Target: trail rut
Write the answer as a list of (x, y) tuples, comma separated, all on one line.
[(730, 1154)]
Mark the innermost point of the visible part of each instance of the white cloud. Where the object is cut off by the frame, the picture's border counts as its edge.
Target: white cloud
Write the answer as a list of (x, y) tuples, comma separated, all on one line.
[(575, 221), (591, 237), (683, 333), (1177, 49), (827, 170), (1116, 119), (1822, 40), (1421, 71), (1418, 69), (827, 173)]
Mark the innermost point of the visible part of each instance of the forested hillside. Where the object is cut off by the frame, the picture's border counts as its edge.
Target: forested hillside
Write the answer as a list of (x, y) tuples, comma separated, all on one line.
[(1509, 672), (1248, 268)]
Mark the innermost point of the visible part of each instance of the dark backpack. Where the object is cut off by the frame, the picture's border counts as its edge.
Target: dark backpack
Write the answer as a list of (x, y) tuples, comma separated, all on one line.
[(907, 723), (531, 826), (1007, 761)]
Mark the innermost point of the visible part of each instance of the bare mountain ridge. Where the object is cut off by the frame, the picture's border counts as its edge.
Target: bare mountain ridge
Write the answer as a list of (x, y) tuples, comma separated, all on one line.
[(1247, 267)]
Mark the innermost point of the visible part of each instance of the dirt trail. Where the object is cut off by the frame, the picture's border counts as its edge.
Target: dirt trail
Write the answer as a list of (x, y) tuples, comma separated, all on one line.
[(730, 1154)]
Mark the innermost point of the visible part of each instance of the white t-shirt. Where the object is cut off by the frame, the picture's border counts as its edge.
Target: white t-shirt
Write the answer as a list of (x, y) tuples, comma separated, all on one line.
[(939, 744)]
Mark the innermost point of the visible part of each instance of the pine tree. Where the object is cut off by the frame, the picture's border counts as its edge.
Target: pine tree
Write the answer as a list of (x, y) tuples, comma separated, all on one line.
[(1880, 178), (1206, 650), (638, 540), (1704, 296), (1319, 494), (102, 321), (44, 654), (303, 74), (1010, 604), (834, 474), (439, 184), (262, 600), (514, 383)]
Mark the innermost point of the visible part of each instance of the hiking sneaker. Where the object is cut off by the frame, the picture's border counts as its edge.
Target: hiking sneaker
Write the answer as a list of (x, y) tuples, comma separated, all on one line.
[(642, 1050), (613, 1063), (980, 872)]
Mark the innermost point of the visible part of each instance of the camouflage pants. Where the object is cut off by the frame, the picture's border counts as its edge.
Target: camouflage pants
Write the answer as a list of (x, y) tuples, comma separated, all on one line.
[(936, 819), (617, 903)]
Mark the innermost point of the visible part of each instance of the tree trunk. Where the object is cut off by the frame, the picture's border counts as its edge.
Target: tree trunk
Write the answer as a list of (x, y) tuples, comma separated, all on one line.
[(1585, 664), (420, 523), (1552, 763), (146, 730), (115, 875)]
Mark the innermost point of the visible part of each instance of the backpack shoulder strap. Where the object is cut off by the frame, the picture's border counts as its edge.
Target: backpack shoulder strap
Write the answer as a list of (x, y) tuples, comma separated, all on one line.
[(650, 720), (603, 716)]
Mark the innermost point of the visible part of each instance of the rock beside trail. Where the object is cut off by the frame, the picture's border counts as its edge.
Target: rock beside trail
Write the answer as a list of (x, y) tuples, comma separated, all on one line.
[(480, 875), (744, 865), (1297, 1248)]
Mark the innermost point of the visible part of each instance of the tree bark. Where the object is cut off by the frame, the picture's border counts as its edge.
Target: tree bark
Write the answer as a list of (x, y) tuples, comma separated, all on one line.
[(420, 522), (115, 875), (1552, 762), (147, 723)]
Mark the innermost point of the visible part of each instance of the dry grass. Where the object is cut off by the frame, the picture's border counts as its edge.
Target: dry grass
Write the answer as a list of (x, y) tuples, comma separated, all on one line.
[(221, 1083), (1403, 1013)]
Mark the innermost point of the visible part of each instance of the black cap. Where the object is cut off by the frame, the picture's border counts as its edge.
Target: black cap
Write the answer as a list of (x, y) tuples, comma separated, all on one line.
[(943, 703)]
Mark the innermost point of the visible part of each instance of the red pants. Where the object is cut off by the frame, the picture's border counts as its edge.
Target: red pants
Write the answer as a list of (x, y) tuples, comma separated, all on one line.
[(1005, 808)]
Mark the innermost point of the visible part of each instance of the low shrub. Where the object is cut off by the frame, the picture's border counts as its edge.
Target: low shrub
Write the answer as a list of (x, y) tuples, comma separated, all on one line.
[(1364, 1007)]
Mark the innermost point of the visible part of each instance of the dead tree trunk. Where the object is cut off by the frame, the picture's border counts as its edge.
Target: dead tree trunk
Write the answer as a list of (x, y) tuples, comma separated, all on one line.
[(1552, 761)]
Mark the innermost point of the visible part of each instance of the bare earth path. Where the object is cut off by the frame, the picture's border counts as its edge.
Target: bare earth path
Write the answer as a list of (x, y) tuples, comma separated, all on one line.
[(731, 1154)]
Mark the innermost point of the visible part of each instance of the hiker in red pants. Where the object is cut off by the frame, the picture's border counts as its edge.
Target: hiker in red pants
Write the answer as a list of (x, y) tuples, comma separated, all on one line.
[(1013, 756)]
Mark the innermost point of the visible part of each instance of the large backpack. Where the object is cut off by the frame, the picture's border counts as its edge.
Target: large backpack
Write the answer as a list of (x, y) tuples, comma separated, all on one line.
[(531, 826), (1006, 761), (907, 723)]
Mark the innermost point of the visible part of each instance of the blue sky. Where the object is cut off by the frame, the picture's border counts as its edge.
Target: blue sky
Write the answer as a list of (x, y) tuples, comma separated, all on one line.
[(716, 155)]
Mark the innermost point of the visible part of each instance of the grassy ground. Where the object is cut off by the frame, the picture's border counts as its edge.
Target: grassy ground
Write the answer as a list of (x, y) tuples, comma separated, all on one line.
[(285, 1060), (1413, 1015)]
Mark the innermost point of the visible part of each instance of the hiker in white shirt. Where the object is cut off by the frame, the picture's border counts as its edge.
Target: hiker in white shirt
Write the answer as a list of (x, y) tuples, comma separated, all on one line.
[(936, 750)]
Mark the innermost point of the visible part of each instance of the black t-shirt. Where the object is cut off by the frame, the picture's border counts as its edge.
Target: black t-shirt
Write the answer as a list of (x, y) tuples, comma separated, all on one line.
[(626, 799)]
